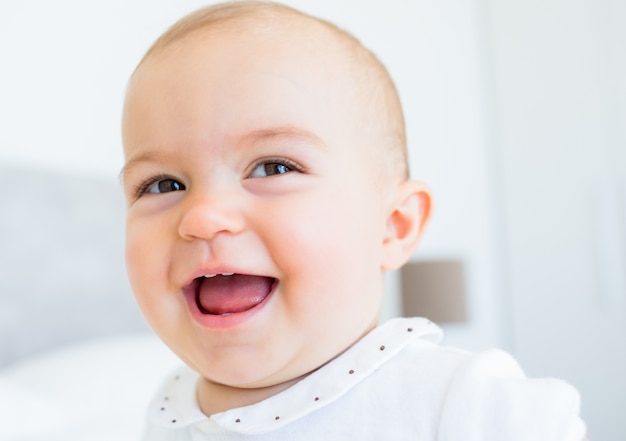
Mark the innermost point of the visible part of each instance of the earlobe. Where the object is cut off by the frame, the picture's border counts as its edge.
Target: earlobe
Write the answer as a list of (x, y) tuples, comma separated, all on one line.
[(407, 218)]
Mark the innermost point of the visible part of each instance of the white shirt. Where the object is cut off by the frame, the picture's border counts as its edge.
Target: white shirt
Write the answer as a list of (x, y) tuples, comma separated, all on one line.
[(396, 383)]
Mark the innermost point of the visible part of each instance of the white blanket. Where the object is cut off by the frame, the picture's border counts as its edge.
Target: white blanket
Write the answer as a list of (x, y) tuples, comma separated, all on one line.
[(89, 392)]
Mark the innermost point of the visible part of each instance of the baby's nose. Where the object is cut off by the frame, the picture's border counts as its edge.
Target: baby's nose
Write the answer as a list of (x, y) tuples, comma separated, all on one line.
[(204, 217)]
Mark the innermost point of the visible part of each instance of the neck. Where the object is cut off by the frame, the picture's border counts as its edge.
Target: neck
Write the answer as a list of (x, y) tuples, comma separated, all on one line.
[(215, 398)]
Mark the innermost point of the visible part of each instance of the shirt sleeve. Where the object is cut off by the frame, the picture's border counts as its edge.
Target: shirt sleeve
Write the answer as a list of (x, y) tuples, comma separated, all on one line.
[(490, 399)]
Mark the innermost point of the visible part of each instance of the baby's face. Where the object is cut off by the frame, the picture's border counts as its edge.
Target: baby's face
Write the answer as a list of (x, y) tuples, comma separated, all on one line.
[(255, 214)]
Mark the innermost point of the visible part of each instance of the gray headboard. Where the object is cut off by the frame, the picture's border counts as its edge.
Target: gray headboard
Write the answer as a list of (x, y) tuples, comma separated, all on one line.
[(62, 276)]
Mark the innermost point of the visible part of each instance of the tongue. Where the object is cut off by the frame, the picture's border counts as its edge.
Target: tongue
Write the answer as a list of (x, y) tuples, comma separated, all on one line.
[(230, 294)]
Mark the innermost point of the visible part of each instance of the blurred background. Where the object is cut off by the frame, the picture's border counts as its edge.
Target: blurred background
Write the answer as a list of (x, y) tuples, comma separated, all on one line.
[(516, 115)]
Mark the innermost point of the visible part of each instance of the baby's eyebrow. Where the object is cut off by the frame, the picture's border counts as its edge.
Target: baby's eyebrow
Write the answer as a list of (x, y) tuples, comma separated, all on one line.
[(133, 162), (286, 132)]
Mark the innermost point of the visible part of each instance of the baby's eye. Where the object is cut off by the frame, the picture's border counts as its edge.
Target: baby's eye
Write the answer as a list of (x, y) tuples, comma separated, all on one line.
[(161, 185), (273, 167), (165, 186)]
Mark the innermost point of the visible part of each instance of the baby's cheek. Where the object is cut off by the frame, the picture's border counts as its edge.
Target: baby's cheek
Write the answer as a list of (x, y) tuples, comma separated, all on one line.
[(163, 313), (145, 252), (135, 264), (148, 263), (140, 268)]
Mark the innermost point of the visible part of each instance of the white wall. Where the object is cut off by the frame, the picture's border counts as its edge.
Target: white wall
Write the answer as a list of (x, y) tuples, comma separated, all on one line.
[(560, 83)]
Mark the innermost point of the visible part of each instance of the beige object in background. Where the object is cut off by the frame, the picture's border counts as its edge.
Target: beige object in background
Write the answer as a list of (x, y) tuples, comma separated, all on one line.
[(434, 289)]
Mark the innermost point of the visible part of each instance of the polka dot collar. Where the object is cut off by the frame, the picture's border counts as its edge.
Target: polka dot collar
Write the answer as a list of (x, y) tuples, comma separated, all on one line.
[(175, 406)]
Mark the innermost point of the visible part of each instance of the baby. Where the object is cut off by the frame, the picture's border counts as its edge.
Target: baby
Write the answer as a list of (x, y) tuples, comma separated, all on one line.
[(268, 193)]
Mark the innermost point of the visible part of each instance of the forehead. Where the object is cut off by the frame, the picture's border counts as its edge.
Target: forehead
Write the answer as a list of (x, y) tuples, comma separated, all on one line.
[(254, 80)]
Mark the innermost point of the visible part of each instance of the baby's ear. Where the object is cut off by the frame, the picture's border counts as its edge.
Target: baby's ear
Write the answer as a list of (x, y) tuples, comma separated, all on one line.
[(406, 221)]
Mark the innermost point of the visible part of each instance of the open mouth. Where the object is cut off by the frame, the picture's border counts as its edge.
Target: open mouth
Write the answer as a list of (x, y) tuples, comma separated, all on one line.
[(225, 294)]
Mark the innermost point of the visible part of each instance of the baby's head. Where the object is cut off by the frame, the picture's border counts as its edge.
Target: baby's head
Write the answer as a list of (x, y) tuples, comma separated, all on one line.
[(268, 144)]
